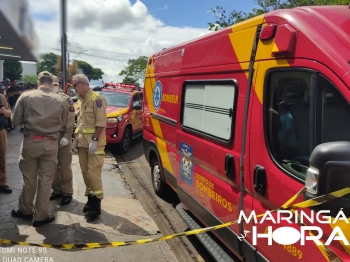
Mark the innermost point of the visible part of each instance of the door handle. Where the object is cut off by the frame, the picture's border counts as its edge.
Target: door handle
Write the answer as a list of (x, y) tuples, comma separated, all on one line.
[(229, 166), (260, 180)]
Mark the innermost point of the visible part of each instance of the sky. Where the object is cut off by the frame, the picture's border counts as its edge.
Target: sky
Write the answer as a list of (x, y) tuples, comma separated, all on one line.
[(107, 33)]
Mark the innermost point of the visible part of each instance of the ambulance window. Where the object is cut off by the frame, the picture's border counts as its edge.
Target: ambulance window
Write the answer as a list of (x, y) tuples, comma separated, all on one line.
[(333, 113), (208, 108), (287, 117)]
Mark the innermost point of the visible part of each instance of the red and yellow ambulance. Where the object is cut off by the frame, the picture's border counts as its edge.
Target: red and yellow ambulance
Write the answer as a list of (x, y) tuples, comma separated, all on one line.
[(240, 120)]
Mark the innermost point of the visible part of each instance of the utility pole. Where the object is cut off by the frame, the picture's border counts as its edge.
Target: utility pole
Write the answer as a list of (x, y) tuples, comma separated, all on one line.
[(64, 42)]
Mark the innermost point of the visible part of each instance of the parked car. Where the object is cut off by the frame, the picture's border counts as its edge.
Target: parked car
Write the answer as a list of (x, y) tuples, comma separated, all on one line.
[(124, 116)]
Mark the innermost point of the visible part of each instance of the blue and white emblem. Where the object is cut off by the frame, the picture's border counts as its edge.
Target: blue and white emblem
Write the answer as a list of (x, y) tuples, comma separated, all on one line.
[(186, 165), (157, 95)]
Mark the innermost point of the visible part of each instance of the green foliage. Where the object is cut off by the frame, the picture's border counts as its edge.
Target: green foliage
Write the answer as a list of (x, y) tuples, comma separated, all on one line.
[(295, 3), (97, 74), (52, 63), (134, 72), (91, 72), (224, 19), (47, 63), (13, 69), (130, 80), (30, 79)]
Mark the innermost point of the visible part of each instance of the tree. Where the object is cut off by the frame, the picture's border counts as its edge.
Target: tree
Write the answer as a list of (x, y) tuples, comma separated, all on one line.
[(47, 63), (13, 69), (91, 72), (52, 63), (223, 19), (30, 79), (97, 74), (71, 70), (134, 72), (130, 80)]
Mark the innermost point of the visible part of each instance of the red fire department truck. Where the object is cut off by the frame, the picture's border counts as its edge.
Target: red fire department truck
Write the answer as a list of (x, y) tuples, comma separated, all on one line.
[(240, 120)]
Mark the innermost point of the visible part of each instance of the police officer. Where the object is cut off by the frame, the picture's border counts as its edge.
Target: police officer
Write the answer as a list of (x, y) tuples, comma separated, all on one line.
[(5, 112), (63, 182), (43, 113), (91, 140)]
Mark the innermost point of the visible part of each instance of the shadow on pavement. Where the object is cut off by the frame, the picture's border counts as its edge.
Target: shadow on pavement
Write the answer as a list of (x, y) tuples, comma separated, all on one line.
[(120, 224), (70, 234), (136, 148)]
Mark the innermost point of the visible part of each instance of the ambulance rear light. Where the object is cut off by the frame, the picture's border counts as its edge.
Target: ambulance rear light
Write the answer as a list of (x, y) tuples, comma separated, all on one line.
[(268, 32), (311, 180)]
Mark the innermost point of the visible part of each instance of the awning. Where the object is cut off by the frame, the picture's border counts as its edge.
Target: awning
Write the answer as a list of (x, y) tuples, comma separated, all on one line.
[(12, 45)]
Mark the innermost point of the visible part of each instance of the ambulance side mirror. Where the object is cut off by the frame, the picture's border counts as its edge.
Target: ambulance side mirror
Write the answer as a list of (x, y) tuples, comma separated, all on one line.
[(329, 171)]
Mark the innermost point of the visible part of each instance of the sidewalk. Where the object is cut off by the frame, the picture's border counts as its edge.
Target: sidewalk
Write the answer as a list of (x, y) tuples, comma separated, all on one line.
[(123, 219)]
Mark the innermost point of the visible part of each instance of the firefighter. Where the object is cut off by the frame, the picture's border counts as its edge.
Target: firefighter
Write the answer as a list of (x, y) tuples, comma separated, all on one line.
[(63, 182), (5, 113), (43, 113), (91, 140)]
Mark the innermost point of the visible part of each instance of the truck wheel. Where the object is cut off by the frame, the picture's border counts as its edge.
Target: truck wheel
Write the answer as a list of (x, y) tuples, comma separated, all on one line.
[(159, 186), (126, 140)]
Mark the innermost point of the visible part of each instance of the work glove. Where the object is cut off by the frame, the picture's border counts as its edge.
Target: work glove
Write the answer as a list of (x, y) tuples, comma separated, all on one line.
[(64, 142), (74, 145), (92, 147)]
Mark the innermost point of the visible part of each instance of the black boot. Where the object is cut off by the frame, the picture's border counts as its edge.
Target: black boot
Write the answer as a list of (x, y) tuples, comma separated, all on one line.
[(95, 207), (87, 205)]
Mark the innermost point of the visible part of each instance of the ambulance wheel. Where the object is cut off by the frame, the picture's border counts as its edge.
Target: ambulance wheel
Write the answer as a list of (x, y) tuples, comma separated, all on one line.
[(126, 140), (159, 186)]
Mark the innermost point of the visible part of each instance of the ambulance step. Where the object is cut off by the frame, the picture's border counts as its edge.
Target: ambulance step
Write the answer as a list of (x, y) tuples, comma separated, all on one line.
[(217, 252)]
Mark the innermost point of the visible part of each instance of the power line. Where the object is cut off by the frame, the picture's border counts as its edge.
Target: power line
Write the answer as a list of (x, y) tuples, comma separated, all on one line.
[(104, 51), (98, 50), (108, 58), (74, 46), (108, 37)]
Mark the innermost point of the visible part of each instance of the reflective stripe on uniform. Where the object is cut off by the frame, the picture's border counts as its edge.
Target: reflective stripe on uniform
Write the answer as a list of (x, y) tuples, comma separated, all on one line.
[(88, 130), (99, 152), (76, 131), (97, 192)]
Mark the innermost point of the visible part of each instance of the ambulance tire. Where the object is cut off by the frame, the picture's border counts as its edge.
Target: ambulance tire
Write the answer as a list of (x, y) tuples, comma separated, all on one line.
[(126, 141), (159, 185)]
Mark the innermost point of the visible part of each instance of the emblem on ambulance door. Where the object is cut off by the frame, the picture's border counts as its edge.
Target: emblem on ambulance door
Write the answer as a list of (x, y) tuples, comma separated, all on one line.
[(157, 95), (186, 164)]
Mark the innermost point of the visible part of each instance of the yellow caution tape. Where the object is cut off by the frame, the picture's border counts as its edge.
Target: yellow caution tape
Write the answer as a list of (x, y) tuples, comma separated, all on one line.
[(293, 198), (329, 254)]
